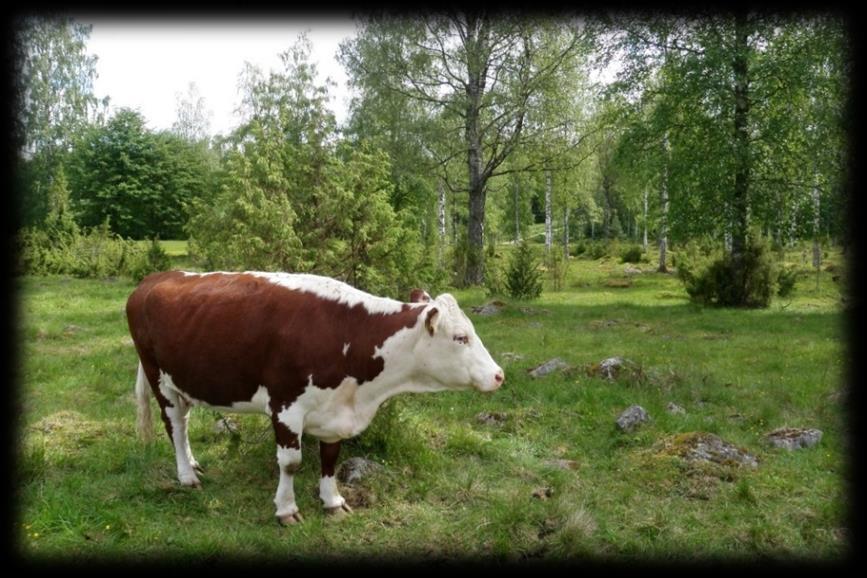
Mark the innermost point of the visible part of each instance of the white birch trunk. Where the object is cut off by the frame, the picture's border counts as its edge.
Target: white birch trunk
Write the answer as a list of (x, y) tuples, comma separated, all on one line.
[(645, 219), (663, 197), (548, 231)]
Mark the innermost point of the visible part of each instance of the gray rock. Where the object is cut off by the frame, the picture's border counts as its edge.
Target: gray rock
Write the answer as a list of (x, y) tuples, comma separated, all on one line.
[(708, 447), (549, 366), (611, 367), (631, 417), (674, 409), (630, 270), (791, 438), (357, 469), (488, 309)]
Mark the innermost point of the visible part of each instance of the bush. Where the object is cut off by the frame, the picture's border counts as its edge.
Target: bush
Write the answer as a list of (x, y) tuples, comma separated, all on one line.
[(523, 279), (786, 281), (91, 253), (557, 267), (632, 254), (728, 282)]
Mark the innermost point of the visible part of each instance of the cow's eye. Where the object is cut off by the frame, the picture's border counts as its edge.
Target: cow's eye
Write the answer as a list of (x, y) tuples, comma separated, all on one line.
[(461, 339)]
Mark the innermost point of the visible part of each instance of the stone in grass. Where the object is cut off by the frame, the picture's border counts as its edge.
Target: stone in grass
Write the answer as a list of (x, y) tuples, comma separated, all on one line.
[(357, 469), (793, 438), (674, 409), (612, 367), (487, 309), (549, 366), (632, 417), (707, 447)]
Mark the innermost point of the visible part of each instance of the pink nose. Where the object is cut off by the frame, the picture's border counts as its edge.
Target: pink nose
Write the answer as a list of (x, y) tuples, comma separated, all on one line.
[(499, 378)]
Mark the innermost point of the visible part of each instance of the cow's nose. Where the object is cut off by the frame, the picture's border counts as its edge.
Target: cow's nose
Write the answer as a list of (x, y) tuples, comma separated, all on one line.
[(500, 377)]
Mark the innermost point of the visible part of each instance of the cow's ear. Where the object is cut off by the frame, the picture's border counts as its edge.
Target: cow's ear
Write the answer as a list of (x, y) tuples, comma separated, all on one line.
[(419, 296), (431, 320)]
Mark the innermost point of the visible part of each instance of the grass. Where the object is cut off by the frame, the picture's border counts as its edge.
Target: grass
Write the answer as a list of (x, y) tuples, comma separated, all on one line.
[(454, 487)]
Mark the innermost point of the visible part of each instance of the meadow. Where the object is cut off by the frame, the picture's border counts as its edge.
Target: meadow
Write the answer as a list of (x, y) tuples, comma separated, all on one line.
[(537, 470)]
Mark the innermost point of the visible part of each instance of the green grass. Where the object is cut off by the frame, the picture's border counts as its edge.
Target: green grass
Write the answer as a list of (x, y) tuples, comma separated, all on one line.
[(452, 486)]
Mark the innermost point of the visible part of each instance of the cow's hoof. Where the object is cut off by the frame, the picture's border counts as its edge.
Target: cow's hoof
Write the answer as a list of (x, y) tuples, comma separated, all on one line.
[(192, 483), (338, 512), (199, 469), (290, 519)]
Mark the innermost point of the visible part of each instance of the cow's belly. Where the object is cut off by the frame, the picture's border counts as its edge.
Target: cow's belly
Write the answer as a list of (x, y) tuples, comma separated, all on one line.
[(259, 403)]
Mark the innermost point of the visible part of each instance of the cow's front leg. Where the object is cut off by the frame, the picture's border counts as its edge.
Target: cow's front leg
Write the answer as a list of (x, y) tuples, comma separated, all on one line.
[(288, 461), (332, 501)]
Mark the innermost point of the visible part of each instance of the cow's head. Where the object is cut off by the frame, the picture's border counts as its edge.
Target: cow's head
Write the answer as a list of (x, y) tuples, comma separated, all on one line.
[(449, 351)]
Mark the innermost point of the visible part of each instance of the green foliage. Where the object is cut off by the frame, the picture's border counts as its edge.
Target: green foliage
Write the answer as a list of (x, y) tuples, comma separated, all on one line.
[(155, 259), (523, 278), (557, 267), (746, 281), (632, 254), (786, 278), (142, 182)]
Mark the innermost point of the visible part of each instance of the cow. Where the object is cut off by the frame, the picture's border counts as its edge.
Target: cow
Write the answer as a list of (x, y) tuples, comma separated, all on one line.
[(316, 355)]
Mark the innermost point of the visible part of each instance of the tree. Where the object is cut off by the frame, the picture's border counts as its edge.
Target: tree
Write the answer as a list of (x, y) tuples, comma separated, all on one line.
[(54, 102), (480, 76), (194, 119), (140, 181)]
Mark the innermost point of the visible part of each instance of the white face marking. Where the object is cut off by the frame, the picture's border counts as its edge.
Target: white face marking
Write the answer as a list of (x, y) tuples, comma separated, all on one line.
[(455, 356), (333, 290), (345, 349)]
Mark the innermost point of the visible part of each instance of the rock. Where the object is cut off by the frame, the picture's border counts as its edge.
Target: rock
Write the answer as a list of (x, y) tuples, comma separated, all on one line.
[(630, 270), (707, 447), (631, 417), (612, 367), (488, 309), (357, 469), (792, 438), (491, 418), (549, 366), (674, 409)]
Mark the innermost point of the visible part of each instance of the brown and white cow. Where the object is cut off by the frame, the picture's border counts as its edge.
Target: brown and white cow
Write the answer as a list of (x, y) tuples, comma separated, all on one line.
[(315, 354)]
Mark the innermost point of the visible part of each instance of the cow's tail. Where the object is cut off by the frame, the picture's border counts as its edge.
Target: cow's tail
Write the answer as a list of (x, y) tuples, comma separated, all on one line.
[(144, 424)]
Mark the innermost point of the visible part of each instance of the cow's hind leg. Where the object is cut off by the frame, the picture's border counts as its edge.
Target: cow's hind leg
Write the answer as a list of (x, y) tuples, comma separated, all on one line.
[(288, 460), (175, 412), (335, 505)]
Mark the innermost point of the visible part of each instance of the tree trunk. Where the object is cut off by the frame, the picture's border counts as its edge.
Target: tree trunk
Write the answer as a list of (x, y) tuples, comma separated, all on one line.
[(817, 249), (441, 216), (549, 237), (740, 197), (566, 232), (475, 274), (645, 219), (517, 213), (663, 198)]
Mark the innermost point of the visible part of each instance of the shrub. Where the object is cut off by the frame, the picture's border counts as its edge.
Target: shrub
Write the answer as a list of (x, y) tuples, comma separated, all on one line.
[(557, 267), (632, 254), (151, 261), (523, 279), (786, 281), (729, 282)]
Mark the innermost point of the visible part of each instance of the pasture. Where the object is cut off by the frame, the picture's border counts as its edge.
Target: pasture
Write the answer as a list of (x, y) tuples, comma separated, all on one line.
[(536, 470)]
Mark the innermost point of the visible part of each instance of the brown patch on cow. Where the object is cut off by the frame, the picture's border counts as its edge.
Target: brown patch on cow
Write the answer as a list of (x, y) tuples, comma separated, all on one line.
[(221, 336), (419, 296), (285, 436), (328, 453)]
